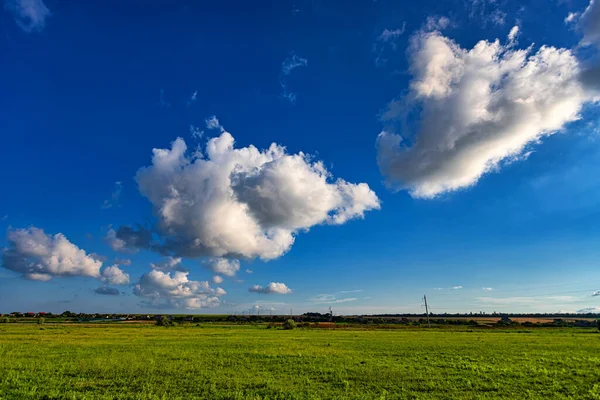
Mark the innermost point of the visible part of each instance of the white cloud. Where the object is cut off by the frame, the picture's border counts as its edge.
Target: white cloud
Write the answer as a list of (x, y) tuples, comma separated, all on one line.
[(114, 275), (478, 108), (287, 66), (192, 98), (271, 288), (331, 299), (176, 290), (572, 17), (213, 123), (239, 202), (39, 256), (488, 289), (457, 287), (217, 279), (248, 271), (196, 132), (168, 264), (487, 11), (222, 266), (114, 197), (291, 63), (437, 23), (512, 35), (30, 15), (105, 290)]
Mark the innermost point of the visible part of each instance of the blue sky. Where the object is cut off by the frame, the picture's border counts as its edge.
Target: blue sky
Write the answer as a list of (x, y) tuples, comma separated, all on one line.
[(414, 155)]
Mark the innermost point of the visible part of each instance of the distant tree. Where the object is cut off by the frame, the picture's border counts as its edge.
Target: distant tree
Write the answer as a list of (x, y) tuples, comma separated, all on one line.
[(41, 321), (163, 320), (289, 324), (5, 320)]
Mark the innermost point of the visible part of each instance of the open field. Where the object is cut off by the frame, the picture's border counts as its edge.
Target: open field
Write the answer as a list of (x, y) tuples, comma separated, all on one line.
[(118, 361)]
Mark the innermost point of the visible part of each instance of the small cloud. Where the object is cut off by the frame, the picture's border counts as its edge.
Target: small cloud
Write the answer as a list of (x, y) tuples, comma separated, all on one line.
[(217, 279), (114, 275), (105, 290), (123, 261), (192, 98), (196, 132), (292, 62), (437, 23), (114, 197), (512, 35), (331, 299), (223, 266), (350, 291), (287, 66), (30, 15), (456, 287), (167, 264), (271, 288), (489, 289), (248, 271), (572, 17), (213, 123)]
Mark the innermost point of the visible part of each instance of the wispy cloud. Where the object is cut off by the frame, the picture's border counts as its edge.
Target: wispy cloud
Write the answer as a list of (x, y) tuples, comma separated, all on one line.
[(596, 293), (457, 287), (114, 197), (287, 66), (106, 290), (331, 298), (30, 15), (192, 98), (487, 289)]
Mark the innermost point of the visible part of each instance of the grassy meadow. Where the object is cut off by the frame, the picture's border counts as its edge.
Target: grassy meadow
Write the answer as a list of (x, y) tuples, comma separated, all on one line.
[(138, 361)]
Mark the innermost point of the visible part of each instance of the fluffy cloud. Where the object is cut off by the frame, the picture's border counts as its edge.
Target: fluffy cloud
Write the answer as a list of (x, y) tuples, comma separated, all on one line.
[(114, 275), (30, 15), (238, 202), (105, 290), (123, 261), (175, 290), (271, 288), (223, 266), (217, 279), (39, 256), (479, 108)]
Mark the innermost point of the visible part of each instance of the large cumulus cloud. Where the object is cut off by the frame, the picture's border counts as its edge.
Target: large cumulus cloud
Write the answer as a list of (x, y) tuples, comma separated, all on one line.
[(175, 290), (39, 256), (239, 202), (477, 109)]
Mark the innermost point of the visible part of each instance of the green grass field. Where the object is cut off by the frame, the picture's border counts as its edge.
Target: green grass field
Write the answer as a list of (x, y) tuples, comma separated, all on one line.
[(119, 361)]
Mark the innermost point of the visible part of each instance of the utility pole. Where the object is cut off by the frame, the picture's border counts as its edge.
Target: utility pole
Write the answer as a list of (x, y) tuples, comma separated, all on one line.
[(427, 311)]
